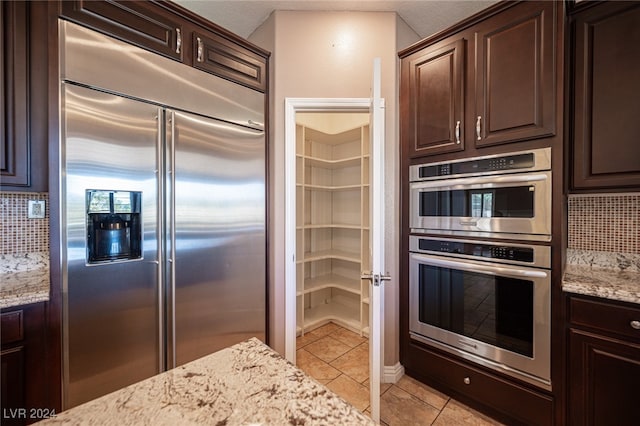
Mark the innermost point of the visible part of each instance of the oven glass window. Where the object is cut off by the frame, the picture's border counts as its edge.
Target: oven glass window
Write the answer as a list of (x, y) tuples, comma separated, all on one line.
[(492, 309), (516, 201)]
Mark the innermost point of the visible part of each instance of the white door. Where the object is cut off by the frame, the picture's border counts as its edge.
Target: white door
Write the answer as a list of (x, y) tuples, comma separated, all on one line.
[(375, 105), (377, 275)]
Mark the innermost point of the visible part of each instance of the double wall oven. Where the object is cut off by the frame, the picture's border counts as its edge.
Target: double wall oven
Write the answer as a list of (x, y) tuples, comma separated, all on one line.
[(479, 261)]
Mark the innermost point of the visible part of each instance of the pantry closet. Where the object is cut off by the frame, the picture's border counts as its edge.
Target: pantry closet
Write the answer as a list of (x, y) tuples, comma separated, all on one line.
[(332, 220)]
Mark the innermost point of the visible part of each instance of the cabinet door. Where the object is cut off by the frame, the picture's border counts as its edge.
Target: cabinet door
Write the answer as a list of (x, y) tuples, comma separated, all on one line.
[(137, 22), (23, 95), (515, 75), (435, 122), (228, 60), (12, 360), (12, 385), (14, 114), (603, 380), (25, 364), (606, 105)]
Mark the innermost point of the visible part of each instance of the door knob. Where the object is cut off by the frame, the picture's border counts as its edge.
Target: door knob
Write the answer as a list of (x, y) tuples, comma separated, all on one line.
[(376, 279)]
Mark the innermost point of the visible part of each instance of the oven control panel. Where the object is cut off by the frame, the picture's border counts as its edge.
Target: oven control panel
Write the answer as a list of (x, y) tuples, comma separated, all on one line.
[(509, 162), (515, 162), (532, 255), (504, 252)]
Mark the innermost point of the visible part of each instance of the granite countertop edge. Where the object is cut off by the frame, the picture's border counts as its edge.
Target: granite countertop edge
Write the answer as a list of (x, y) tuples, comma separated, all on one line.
[(247, 383), (613, 276), (24, 279)]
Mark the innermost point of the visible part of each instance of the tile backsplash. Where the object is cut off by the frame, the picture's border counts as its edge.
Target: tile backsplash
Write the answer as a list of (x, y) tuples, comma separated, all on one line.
[(18, 234), (604, 222)]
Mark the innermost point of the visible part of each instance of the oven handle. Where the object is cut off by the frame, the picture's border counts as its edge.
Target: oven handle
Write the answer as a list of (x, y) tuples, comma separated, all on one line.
[(482, 180), (472, 266)]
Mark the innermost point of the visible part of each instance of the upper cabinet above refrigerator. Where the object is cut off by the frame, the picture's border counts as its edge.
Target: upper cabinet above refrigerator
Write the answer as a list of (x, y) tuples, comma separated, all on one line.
[(174, 32), (169, 83), (137, 22)]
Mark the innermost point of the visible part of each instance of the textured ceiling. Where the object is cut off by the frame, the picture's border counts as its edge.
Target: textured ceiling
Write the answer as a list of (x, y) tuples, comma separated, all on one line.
[(426, 17)]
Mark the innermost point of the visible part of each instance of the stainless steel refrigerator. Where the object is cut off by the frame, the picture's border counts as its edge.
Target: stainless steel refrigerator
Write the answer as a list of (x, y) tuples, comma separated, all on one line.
[(163, 213)]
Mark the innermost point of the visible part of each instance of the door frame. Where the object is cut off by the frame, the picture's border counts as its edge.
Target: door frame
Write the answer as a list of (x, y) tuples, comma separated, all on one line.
[(293, 106)]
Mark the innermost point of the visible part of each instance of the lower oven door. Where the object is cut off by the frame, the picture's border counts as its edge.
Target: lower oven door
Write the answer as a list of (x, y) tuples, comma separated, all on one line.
[(493, 314)]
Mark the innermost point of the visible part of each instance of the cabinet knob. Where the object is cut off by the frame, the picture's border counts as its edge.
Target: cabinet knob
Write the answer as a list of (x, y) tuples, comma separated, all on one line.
[(458, 132), (635, 325), (467, 381), (479, 127)]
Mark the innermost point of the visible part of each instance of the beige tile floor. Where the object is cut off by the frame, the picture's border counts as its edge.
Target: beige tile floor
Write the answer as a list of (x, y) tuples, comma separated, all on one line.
[(339, 359)]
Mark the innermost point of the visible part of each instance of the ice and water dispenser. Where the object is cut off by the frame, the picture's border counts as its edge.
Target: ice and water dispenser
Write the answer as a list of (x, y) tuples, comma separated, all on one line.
[(114, 226)]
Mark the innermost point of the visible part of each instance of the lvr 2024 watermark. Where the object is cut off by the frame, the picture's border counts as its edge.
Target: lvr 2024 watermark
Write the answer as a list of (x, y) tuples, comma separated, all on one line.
[(28, 413)]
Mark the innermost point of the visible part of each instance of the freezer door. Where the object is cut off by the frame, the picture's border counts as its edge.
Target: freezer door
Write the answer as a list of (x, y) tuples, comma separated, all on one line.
[(111, 324), (218, 230)]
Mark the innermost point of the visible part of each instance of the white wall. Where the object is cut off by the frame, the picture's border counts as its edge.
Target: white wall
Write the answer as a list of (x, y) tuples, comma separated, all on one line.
[(330, 55)]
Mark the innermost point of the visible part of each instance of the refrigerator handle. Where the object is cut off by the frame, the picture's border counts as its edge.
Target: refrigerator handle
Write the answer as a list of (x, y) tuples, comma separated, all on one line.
[(160, 240), (171, 155)]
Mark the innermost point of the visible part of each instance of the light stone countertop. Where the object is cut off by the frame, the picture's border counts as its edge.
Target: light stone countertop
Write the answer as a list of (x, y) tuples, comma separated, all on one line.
[(614, 276), (245, 384), (24, 278)]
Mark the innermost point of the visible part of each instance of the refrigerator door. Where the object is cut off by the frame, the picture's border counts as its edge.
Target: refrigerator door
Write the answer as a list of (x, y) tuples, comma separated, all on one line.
[(217, 230), (111, 335)]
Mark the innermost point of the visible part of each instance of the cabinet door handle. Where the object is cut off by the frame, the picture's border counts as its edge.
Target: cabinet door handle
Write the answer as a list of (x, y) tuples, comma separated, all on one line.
[(635, 325), (178, 40), (478, 127), (200, 49), (458, 132)]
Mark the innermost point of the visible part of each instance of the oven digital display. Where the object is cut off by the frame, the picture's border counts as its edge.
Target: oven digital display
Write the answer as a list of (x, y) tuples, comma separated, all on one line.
[(483, 165), (513, 201), (520, 254), (492, 309)]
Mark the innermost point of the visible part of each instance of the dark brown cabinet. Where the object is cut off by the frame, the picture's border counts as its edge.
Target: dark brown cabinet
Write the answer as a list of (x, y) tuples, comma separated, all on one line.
[(605, 84), (170, 30), (219, 56), (14, 120), (488, 83), (136, 22), (515, 75), (23, 356), (23, 96), (507, 401), (435, 82), (604, 362)]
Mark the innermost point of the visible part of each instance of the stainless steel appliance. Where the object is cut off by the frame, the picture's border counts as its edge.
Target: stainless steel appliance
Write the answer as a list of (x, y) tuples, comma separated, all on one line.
[(488, 302), (497, 196), (162, 210)]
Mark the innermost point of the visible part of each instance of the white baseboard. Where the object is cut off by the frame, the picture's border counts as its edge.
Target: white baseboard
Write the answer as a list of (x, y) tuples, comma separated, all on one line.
[(392, 373)]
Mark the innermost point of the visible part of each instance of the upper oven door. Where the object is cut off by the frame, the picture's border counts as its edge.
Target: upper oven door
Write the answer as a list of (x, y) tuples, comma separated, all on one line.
[(518, 203)]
